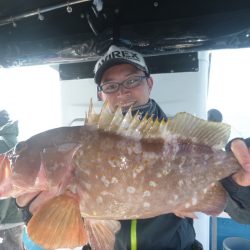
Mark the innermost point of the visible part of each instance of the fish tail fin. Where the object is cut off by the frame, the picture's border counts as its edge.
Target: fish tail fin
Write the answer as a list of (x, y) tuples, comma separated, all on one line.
[(101, 233), (58, 224), (5, 168)]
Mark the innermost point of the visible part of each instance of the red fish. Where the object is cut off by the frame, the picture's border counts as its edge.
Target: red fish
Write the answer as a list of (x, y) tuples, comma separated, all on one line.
[(117, 167)]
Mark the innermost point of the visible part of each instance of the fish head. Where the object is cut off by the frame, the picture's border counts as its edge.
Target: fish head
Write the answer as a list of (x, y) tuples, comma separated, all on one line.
[(8, 171), (25, 163), (40, 163)]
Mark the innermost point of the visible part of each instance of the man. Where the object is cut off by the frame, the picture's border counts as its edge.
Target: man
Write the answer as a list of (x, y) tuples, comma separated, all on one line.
[(123, 79)]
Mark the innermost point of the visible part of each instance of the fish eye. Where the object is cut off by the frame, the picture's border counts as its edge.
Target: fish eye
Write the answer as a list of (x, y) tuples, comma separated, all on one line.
[(20, 146)]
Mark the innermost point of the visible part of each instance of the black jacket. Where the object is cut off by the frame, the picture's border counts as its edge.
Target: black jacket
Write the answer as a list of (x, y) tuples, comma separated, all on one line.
[(165, 232)]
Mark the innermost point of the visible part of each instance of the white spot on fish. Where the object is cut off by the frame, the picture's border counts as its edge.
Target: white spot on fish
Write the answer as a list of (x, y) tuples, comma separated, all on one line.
[(62, 165), (99, 160), (183, 159), (152, 184), (206, 157), (146, 193), (112, 164), (121, 144), (194, 201), (56, 166), (137, 171), (176, 197), (205, 190), (146, 205), (166, 169), (158, 175), (135, 149), (114, 180), (66, 147), (73, 188), (80, 152), (105, 181), (130, 151), (105, 193), (131, 190), (217, 163), (150, 156), (123, 163), (86, 171), (180, 183), (99, 200), (187, 205), (87, 185), (180, 169)]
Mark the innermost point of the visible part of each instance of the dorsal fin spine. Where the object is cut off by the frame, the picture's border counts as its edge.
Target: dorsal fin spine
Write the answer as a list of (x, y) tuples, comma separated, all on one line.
[(183, 125)]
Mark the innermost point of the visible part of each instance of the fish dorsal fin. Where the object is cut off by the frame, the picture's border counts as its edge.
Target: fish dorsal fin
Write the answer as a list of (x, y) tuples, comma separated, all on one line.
[(183, 125), (125, 123), (200, 131), (91, 116), (105, 117), (5, 168), (116, 121)]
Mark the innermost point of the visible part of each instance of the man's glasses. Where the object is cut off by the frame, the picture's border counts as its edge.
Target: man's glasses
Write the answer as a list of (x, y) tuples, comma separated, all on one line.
[(130, 83)]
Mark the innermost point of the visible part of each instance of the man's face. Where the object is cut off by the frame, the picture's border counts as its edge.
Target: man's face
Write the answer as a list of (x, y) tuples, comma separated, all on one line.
[(126, 97)]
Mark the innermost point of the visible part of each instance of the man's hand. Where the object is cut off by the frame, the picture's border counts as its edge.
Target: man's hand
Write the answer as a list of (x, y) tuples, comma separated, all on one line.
[(242, 154)]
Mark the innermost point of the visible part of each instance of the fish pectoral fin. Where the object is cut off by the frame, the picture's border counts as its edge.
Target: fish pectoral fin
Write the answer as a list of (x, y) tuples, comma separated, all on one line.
[(101, 233), (58, 224), (5, 168)]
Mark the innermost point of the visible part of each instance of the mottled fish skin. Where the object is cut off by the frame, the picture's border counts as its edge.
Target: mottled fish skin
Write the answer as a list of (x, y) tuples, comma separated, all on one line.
[(118, 177), (121, 178)]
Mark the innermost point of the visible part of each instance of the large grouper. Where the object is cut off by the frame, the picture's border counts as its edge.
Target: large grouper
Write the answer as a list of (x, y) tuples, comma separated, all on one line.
[(117, 167)]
